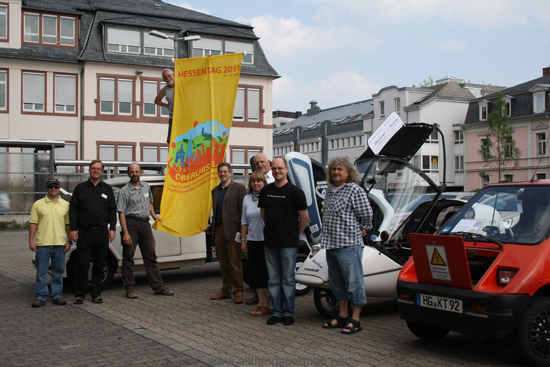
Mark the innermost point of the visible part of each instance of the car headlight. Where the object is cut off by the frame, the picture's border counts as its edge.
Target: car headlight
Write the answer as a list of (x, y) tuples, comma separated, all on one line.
[(505, 276)]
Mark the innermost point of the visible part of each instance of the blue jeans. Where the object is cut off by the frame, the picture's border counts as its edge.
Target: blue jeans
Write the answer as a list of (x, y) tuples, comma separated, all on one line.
[(281, 267), (345, 272), (43, 256)]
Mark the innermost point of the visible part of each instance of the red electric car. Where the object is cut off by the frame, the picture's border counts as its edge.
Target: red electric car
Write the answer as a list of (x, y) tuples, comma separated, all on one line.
[(486, 271)]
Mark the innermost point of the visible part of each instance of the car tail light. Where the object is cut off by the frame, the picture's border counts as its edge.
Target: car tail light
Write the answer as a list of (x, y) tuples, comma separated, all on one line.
[(504, 276), (406, 296)]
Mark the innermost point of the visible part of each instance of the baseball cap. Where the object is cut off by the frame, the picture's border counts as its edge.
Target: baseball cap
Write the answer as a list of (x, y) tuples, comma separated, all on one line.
[(52, 181)]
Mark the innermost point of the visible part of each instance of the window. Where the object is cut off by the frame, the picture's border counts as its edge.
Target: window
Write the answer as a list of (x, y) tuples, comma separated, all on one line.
[(382, 109), (116, 151), (150, 91), (508, 177), (116, 96), (3, 90), (152, 152), (541, 176), (459, 137), (508, 148), (416, 161), (397, 104), (485, 148), (246, 48), (242, 155), (207, 47), (49, 29), (3, 21), (459, 164), (124, 41), (483, 111), (508, 107), (430, 164), (485, 179), (69, 151), (248, 104), (434, 137), (157, 46), (541, 143), (125, 92), (34, 92), (65, 93), (538, 103), (358, 140)]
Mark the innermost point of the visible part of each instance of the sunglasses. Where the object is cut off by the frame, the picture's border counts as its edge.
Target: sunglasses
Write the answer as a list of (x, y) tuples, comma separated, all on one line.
[(53, 187)]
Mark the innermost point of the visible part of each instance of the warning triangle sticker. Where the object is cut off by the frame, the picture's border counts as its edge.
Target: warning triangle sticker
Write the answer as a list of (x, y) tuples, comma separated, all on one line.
[(437, 259)]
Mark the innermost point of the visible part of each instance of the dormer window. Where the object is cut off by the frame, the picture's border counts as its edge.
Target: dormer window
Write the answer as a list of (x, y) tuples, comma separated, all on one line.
[(207, 47), (236, 47), (124, 41), (158, 46), (538, 102), (483, 111), (508, 105), (49, 29)]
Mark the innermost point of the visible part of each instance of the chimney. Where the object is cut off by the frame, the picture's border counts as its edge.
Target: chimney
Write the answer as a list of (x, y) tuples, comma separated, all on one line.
[(546, 71), (314, 110)]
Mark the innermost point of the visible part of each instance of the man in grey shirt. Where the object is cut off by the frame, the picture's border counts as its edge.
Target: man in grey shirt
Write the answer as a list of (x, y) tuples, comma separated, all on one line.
[(135, 203), (168, 92)]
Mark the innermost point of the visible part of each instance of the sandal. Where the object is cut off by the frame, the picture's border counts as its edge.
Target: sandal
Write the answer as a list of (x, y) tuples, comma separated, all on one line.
[(256, 310), (97, 299), (354, 328), (264, 311), (341, 322)]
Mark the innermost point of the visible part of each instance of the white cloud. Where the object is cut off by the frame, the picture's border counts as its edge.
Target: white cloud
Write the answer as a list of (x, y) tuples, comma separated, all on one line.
[(289, 38), (448, 45)]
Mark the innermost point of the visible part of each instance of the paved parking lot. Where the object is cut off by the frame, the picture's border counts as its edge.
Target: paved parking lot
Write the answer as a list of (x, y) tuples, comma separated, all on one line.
[(189, 329)]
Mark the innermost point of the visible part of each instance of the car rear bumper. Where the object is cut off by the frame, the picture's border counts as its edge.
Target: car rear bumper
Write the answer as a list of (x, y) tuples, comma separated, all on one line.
[(500, 318)]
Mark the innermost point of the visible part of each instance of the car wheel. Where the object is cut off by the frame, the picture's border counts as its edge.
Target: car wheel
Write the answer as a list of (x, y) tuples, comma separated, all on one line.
[(426, 332), (301, 289), (531, 336), (326, 303), (109, 269)]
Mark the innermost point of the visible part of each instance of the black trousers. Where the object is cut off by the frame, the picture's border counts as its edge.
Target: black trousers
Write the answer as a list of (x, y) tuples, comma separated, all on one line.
[(92, 244)]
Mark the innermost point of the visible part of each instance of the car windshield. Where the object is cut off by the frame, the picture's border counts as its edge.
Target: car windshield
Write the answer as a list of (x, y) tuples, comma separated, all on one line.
[(391, 185), (512, 214)]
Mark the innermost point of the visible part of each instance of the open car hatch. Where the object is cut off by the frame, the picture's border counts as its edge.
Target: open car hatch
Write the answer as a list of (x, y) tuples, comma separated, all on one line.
[(440, 260)]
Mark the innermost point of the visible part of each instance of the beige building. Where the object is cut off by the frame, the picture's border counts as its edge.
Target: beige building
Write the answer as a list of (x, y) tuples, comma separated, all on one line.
[(87, 73)]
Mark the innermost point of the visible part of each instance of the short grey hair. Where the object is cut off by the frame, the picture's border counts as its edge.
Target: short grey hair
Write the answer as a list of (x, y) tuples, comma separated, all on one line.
[(165, 70), (347, 164)]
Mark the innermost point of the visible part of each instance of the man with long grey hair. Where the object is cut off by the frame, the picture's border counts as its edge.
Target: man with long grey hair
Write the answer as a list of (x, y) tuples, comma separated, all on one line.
[(347, 216)]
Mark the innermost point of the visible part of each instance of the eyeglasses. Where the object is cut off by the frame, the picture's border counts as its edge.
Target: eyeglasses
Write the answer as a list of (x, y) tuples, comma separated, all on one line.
[(53, 187)]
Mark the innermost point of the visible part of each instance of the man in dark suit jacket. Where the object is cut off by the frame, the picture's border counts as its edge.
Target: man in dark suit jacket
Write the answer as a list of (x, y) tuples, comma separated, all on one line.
[(227, 202)]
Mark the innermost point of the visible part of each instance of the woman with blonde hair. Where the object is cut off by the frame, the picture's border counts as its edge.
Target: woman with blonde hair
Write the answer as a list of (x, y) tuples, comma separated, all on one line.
[(252, 241)]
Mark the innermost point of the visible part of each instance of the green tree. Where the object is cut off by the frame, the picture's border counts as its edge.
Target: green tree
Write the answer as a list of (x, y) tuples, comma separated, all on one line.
[(425, 83), (499, 150)]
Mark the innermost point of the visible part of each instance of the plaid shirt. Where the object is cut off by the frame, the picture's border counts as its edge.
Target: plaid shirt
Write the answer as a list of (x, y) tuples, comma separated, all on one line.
[(345, 213)]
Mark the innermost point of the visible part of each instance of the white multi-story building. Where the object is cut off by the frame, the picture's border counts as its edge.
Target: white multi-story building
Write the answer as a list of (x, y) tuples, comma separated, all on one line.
[(346, 129)]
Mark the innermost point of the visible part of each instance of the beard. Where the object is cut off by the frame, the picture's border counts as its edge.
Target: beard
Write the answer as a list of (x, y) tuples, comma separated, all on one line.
[(134, 179), (171, 83)]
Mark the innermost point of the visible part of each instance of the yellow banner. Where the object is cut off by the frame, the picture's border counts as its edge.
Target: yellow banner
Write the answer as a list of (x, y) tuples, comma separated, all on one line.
[(206, 88)]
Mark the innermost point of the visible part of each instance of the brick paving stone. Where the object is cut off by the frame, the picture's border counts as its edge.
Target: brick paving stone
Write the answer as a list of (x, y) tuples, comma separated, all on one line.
[(149, 330)]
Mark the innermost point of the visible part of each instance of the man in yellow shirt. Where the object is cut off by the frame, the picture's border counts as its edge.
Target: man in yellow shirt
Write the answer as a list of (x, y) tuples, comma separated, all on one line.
[(49, 221)]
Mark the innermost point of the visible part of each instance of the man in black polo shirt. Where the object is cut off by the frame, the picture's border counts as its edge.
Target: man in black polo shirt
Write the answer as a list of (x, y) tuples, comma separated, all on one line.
[(93, 207)]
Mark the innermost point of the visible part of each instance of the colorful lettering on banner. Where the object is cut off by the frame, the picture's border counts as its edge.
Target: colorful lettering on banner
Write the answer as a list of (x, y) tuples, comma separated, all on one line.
[(206, 88)]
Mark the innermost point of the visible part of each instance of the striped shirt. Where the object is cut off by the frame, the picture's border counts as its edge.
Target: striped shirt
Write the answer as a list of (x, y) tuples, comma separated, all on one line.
[(346, 213)]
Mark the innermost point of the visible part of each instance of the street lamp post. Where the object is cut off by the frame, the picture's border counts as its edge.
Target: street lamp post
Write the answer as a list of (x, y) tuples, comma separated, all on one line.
[(162, 35)]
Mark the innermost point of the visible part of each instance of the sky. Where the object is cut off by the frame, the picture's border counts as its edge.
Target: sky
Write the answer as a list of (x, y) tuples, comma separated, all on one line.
[(343, 51)]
